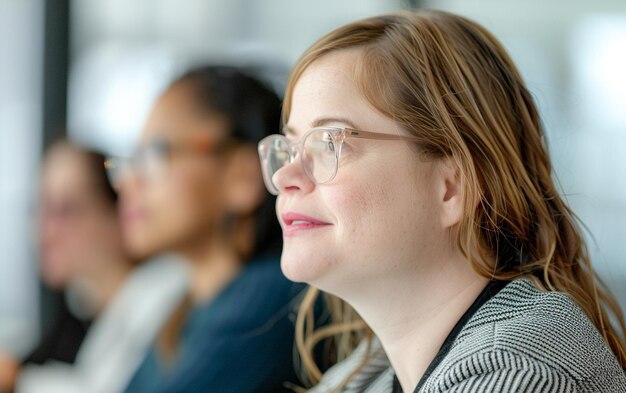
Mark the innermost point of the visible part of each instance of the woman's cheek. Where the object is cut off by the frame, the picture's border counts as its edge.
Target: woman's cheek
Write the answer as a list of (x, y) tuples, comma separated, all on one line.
[(358, 202)]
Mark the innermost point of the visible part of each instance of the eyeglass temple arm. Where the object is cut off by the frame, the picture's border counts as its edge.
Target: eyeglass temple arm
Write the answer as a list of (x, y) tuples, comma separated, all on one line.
[(353, 133)]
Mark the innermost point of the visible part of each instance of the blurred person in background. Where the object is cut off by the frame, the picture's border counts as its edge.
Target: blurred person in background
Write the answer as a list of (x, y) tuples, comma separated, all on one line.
[(194, 187), (82, 251)]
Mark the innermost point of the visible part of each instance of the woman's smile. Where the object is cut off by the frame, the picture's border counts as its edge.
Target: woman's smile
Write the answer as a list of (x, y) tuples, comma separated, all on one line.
[(296, 223)]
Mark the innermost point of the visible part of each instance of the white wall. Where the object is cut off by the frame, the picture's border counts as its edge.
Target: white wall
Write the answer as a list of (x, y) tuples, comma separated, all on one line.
[(20, 126), (117, 43)]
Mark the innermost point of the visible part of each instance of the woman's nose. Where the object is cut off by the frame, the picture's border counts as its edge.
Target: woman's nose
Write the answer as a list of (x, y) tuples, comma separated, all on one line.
[(292, 178)]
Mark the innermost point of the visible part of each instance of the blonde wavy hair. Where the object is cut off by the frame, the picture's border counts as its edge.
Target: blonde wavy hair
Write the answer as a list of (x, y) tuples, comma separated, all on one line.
[(451, 84)]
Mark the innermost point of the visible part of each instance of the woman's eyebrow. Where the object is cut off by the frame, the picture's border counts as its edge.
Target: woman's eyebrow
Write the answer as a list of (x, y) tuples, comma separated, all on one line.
[(328, 120), (320, 122)]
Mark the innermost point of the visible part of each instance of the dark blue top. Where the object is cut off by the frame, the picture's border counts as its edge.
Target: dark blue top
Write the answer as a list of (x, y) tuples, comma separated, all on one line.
[(241, 341)]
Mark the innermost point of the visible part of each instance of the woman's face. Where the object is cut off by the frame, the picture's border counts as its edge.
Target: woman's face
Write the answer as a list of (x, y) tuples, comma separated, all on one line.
[(172, 196), (379, 216), (79, 228)]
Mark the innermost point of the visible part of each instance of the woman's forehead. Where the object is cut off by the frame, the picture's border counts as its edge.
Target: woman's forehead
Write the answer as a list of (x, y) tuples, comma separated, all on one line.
[(335, 70), (65, 175), (326, 85), (327, 94)]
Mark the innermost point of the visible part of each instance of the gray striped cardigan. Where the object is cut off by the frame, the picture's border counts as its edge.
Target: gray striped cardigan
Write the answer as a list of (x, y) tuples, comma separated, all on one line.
[(521, 340)]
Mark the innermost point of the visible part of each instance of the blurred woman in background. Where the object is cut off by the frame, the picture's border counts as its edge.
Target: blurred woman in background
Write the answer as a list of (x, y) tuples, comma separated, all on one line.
[(80, 237), (83, 251), (194, 187)]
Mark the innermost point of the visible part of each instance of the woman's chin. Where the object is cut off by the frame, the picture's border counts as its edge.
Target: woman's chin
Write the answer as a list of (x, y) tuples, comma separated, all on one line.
[(301, 269), (140, 247)]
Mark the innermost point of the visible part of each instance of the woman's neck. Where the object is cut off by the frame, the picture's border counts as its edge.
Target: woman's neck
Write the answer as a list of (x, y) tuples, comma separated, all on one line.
[(412, 313), (90, 293), (110, 282)]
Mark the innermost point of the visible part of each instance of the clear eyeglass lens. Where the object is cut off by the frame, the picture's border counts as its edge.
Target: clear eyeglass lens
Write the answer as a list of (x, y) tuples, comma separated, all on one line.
[(151, 161), (320, 156), (279, 155), (275, 153)]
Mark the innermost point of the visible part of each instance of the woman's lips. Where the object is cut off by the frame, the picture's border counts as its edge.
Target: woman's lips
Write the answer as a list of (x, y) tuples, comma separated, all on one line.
[(295, 223)]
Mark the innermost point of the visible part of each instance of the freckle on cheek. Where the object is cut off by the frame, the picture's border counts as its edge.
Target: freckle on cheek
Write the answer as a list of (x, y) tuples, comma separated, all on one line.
[(362, 208)]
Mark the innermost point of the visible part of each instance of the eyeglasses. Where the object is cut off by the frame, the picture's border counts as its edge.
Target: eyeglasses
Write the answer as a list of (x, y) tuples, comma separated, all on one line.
[(151, 161), (319, 151)]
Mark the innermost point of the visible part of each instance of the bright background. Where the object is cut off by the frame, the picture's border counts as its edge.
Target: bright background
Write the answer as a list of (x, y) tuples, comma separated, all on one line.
[(114, 56)]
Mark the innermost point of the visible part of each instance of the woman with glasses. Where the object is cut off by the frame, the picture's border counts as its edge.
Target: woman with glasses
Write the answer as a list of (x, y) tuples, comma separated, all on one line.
[(414, 187), (194, 188)]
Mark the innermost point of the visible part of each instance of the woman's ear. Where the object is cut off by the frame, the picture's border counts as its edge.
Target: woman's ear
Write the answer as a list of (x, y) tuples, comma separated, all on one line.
[(451, 195), (243, 184)]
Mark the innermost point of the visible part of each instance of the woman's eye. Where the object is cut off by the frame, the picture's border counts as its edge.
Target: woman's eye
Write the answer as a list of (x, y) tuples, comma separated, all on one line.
[(328, 143), (330, 146)]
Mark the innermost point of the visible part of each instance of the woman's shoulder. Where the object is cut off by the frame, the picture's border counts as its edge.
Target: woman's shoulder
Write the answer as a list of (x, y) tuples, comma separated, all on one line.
[(522, 334), (521, 314)]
